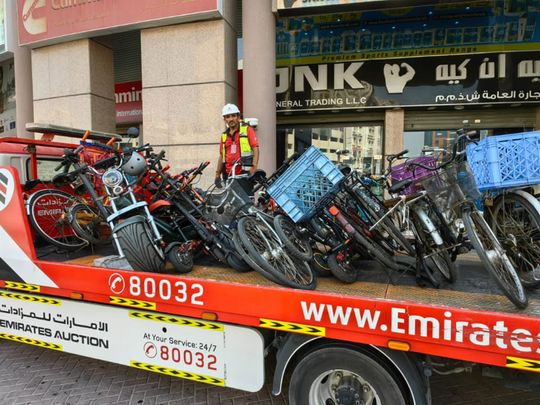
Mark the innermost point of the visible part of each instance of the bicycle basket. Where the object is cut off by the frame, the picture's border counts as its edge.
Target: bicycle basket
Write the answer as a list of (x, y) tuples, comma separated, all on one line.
[(405, 171), (223, 206), (450, 186)]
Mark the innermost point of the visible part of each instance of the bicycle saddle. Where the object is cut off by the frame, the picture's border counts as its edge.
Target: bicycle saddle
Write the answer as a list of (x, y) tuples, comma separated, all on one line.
[(62, 179)]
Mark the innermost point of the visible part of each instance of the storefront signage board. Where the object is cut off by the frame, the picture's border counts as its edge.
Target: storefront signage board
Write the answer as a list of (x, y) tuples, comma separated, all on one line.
[(128, 102), (491, 78), (411, 31), (49, 21), (288, 4)]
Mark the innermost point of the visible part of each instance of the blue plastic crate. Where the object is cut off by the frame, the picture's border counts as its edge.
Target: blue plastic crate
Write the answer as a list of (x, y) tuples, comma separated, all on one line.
[(306, 185), (506, 161)]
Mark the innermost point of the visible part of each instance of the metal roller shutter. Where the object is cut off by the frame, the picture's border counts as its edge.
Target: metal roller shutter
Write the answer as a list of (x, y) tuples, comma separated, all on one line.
[(485, 118), (127, 56)]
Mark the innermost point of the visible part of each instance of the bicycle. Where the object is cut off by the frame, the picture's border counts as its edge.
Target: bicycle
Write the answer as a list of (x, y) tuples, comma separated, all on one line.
[(255, 233), (454, 192)]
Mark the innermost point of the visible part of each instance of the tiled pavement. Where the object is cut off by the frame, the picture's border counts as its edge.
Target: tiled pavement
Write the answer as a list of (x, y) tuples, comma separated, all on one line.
[(36, 376)]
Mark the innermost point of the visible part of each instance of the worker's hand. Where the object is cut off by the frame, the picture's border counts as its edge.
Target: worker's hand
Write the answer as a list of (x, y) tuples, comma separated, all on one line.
[(252, 169), (217, 182)]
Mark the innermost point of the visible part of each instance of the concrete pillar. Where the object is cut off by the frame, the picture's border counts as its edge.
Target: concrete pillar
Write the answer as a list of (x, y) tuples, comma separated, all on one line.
[(259, 32), (394, 124), (23, 72), (188, 74), (73, 85), (23, 90)]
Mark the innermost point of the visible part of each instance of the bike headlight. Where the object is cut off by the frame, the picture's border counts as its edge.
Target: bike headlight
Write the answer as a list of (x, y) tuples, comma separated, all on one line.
[(112, 178)]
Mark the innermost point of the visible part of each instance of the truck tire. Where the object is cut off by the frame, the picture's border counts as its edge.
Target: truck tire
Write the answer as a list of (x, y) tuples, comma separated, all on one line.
[(339, 375), (137, 243)]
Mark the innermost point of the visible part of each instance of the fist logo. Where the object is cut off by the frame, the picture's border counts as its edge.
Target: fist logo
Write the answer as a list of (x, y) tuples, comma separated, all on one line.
[(31, 24), (117, 283)]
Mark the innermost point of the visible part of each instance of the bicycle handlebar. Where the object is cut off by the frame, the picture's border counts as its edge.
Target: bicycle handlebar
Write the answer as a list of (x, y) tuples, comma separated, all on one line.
[(462, 134)]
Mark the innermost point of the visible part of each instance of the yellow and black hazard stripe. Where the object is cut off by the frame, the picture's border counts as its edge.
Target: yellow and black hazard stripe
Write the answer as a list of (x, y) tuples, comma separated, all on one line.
[(129, 302), (292, 327), (31, 298), (194, 323), (178, 373), (12, 285), (30, 341), (523, 364)]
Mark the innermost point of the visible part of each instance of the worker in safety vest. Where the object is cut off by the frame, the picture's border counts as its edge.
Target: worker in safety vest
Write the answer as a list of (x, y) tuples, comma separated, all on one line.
[(238, 141)]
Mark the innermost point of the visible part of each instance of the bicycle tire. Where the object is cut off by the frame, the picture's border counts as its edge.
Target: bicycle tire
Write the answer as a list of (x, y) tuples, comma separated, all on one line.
[(266, 249), (182, 261), (52, 223), (341, 267), (440, 258), (494, 258), (140, 250), (295, 244), (242, 249), (89, 229), (377, 252), (319, 264), (232, 257), (518, 230)]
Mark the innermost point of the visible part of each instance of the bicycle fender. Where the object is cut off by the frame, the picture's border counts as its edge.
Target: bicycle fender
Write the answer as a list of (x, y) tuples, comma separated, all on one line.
[(129, 221), (530, 199)]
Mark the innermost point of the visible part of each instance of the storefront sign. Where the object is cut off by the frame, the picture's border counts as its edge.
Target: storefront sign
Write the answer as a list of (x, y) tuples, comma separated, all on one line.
[(128, 102), (495, 26), (48, 20), (467, 79), (288, 4)]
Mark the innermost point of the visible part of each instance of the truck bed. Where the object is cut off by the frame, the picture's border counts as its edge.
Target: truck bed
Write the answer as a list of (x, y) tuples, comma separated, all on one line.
[(474, 288)]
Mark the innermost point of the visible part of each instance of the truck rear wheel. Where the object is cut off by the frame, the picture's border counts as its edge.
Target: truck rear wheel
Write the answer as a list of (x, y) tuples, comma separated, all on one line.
[(338, 375)]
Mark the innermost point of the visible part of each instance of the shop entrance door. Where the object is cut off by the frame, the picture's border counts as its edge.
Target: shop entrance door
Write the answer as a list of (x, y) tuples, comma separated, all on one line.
[(359, 146)]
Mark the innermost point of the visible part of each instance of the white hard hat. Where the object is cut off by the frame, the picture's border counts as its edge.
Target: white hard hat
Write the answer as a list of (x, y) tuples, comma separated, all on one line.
[(230, 109)]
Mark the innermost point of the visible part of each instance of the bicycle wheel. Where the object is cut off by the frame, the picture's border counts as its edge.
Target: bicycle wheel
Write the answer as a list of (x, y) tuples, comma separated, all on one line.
[(494, 257), (436, 255), (516, 223), (242, 249), (180, 257), (297, 244), (232, 257), (88, 224), (265, 248), (48, 213), (341, 266)]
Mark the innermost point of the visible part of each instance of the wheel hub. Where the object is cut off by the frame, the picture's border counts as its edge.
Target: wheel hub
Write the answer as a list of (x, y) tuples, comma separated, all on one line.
[(349, 391)]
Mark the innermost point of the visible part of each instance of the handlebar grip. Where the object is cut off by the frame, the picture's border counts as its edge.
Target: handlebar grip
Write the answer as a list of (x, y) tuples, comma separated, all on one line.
[(291, 158), (105, 163), (59, 166)]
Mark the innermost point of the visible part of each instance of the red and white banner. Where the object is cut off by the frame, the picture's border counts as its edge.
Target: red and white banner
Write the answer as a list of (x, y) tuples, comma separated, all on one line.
[(128, 102), (51, 21)]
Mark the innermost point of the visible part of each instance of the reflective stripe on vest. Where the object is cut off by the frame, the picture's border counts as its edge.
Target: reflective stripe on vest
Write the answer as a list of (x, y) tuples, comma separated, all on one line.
[(245, 147)]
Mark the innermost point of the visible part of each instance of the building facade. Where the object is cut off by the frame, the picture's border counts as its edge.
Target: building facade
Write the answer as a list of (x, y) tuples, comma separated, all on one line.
[(359, 79)]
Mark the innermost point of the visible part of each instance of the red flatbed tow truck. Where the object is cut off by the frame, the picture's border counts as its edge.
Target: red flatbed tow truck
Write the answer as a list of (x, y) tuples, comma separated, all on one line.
[(340, 343)]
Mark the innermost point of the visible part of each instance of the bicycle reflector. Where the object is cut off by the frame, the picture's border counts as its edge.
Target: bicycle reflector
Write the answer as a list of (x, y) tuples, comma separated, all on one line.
[(333, 210)]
